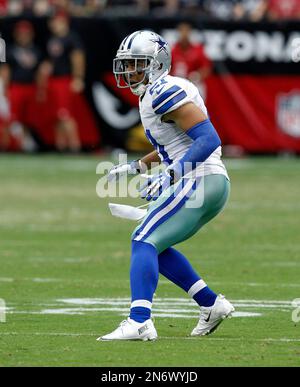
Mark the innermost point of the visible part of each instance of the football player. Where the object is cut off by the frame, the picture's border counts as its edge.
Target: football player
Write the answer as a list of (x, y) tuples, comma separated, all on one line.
[(192, 189)]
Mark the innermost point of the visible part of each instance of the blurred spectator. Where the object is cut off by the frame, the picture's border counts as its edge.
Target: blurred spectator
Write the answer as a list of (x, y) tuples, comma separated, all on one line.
[(47, 7), (87, 7), (23, 58), (252, 10), (42, 8), (61, 5), (220, 9), (283, 9), (171, 7), (28, 7), (15, 7), (3, 7), (192, 5), (189, 59), (66, 67), (155, 7), (5, 116), (126, 7)]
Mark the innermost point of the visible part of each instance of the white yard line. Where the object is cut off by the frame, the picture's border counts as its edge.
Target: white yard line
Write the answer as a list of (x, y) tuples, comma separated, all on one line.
[(171, 315), (163, 307), (45, 334), (241, 339), (161, 282), (258, 284), (6, 279), (45, 280), (169, 301)]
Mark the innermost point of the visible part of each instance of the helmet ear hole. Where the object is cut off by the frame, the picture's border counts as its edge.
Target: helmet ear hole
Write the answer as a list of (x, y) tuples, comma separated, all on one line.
[(160, 66)]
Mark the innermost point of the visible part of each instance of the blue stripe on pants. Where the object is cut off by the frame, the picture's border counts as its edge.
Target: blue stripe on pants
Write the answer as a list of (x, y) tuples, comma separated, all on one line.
[(180, 187), (170, 213)]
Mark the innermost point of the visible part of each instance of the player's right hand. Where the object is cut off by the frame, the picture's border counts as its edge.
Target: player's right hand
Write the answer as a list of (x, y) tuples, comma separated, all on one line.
[(121, 170), (155, 185)]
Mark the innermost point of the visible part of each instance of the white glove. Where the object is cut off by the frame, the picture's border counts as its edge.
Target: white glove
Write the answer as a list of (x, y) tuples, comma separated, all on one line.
[(155, 185), (118, 171)]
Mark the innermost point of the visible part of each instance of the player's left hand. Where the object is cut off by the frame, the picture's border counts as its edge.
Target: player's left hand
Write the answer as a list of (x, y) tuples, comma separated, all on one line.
[(155, 185)]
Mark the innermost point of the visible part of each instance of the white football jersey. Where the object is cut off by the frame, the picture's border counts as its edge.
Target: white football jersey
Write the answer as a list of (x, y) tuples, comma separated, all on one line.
[(166, 94)]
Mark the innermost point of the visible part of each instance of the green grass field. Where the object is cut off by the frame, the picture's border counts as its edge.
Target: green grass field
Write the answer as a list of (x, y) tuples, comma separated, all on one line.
[(64, 263)]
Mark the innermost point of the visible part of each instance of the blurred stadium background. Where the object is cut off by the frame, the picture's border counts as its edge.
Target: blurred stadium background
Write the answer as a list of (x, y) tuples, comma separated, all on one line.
[(58, 93), (61, 262)]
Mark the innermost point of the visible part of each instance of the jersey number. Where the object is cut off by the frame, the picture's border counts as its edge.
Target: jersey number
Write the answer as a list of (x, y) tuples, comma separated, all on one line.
[(158, 87)]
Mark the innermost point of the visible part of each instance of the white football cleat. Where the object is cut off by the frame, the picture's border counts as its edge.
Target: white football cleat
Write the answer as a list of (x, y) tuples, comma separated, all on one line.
[(132, 330), (212, 316)]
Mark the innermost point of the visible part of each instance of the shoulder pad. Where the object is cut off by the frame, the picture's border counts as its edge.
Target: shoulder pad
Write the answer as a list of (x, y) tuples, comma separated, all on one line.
[(165, 95)]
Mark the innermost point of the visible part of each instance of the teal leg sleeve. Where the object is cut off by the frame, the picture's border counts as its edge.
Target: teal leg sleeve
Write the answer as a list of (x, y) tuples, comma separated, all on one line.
[(174, 218)]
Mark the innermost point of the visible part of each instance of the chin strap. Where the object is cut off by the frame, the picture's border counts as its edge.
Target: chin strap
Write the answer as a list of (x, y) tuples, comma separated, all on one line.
[(139, 90)]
